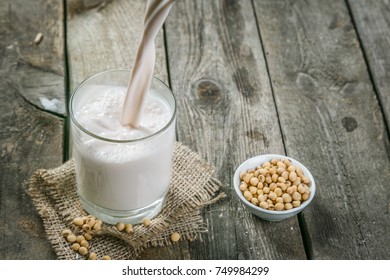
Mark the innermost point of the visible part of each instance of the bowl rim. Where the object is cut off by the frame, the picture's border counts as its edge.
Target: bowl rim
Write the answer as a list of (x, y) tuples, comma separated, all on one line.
[(261, 159)]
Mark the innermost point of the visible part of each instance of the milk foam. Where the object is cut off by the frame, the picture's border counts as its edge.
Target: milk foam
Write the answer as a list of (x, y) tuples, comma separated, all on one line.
[(101, 115)]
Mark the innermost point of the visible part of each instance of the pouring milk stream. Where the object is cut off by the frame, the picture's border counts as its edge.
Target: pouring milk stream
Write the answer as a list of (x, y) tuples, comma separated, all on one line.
[(142, 73)]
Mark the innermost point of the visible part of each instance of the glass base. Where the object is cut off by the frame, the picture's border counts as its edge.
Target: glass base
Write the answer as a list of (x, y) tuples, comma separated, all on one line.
[(128, 217)]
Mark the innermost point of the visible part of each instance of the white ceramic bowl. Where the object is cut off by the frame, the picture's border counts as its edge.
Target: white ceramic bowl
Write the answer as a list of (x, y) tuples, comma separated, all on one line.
[(265, 214)]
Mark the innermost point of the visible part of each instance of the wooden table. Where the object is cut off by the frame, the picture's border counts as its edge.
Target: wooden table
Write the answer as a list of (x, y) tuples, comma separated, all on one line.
[(309, 79)]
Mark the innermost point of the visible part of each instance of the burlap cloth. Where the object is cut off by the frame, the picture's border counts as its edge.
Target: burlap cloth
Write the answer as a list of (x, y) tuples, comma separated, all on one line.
[(192, 187)]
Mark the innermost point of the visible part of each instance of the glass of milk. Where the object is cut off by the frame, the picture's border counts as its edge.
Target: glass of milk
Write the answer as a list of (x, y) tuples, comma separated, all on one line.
[(122, 173)]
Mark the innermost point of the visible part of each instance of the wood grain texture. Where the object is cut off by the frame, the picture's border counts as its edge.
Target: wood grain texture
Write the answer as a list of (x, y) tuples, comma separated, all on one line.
[(106, 37), (372, 20), (40, 66), (226, 113), (29, 137), (331, 122)]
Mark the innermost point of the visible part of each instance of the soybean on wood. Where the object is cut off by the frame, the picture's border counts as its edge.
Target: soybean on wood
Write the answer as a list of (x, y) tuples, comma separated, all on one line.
[(324, 96), (226, 113)]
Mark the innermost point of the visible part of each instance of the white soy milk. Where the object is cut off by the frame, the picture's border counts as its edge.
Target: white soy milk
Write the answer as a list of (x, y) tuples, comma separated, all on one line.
[(121, 169)]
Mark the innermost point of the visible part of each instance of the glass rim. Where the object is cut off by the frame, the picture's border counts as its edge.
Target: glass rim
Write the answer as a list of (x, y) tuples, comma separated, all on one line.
[(90, 133)]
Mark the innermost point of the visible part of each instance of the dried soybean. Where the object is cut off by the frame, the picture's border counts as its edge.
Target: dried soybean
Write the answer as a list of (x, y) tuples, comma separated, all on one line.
[(277, 185)]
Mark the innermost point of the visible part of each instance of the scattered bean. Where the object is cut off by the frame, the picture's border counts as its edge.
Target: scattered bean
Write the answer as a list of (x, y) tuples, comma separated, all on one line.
[(92, 256), (146, 222), (91, 222), (120, 226), (86, 228), (78, 221), (87, 236), (175, 237), (66, 232), (83, 251), (71, 238), (75, 247), (97, 225), (84, 243), (80, 238)]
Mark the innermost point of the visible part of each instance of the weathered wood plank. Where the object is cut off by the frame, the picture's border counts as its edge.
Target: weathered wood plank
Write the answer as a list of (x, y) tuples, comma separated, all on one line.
[(29, 137), (40, 66), (331, 122), (227, 114), (372, 21), (106, 37)]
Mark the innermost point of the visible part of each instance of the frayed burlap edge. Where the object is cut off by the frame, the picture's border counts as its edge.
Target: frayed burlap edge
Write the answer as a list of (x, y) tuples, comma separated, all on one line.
[(192, 187)]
